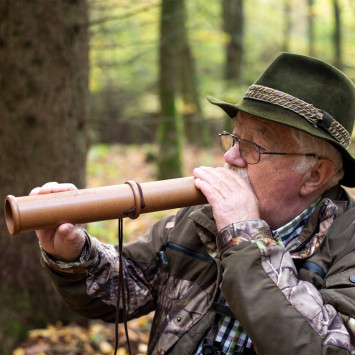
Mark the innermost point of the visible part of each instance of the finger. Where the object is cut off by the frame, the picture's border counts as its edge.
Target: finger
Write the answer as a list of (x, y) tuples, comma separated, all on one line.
[(52, 187), (207, 174), (66, 230), (218, 178), (35, 191), (64, 187), (232, 178), (71, 234), (242, 178), (209, 182), (213, 196), (47, 188)]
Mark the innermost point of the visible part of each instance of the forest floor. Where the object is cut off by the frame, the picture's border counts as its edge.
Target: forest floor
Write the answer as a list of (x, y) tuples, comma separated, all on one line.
[(112, 165)]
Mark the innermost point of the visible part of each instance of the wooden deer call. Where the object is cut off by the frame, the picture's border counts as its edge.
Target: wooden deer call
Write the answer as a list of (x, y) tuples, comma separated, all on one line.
[(35, 212)]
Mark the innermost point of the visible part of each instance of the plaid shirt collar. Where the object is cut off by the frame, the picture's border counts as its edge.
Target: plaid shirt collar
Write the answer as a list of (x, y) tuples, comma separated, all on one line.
[(291, 230)]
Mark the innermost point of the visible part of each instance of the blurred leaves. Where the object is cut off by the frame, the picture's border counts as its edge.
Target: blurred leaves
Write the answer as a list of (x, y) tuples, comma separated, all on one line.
[(97, 339), (124, 42), (124, 38)]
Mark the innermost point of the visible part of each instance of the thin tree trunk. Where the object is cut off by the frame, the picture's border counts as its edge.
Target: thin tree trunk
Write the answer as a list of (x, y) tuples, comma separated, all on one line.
[(287, 25), (170, 129), (338, 60), (233, 25), (310, 20), (196, 131)]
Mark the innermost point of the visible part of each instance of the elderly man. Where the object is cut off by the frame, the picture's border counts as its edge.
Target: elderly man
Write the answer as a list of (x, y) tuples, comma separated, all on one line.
[(268, 266)]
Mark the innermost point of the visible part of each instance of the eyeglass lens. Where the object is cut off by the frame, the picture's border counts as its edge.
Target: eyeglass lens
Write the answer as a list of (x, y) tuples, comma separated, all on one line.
[(227, 142), (248, 151)]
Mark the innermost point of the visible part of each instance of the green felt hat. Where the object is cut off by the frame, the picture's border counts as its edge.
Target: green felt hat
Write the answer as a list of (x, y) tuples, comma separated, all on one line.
[(307, 94)]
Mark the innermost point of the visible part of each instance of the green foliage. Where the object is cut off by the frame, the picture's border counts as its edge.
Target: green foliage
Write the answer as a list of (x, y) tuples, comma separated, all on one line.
[(124, 45)]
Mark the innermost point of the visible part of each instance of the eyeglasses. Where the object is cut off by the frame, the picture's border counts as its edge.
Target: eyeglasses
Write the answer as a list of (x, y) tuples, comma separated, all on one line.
[(249, 151)]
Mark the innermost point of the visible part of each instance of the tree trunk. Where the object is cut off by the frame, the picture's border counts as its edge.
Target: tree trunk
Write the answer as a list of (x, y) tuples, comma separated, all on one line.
[(233, 26), (338, 60), (287, 25), (196, 131), (310, 18), (170, 129), (44, 109)]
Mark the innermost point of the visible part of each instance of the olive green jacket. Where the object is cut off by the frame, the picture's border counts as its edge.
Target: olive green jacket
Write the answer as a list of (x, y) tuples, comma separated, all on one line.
[(299, 300)]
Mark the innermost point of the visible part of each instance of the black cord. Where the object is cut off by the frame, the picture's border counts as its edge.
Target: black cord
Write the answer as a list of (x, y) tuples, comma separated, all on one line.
[(120, 287)]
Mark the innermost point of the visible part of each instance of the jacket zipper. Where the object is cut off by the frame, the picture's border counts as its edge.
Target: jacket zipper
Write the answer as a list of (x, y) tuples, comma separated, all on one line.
[(181, 249)]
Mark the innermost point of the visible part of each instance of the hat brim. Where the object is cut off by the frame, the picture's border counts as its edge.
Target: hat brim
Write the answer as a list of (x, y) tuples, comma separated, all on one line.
[(288, 118)]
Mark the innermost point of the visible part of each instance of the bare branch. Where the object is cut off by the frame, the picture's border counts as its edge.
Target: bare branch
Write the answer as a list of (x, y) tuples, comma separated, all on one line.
[(123, 16)]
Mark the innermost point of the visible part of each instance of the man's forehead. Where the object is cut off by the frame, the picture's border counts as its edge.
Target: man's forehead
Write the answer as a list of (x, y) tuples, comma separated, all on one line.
[(266, 129)]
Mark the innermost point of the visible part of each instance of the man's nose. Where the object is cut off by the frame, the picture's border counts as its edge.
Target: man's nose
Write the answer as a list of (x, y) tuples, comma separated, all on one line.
[(233, 157)]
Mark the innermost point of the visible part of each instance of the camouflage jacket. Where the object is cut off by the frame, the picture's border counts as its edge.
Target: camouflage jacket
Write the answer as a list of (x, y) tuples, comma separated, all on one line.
[(299, 300)]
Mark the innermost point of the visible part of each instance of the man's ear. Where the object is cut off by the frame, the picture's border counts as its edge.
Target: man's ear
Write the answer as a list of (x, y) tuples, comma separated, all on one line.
[(318, 177)]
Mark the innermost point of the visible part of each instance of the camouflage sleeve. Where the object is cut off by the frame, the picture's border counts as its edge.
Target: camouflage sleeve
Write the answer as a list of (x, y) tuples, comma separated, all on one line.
[(90, 284), (261, 284), (87, 258)]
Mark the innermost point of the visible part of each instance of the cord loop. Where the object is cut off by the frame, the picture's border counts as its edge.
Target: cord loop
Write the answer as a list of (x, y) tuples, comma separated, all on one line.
[(135, 211)]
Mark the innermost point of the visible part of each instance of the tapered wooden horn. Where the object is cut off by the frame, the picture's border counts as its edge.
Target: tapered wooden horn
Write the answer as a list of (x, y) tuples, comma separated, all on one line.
[(45, 211)]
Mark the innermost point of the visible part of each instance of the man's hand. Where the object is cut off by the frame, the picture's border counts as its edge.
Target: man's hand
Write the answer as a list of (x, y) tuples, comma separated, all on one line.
[(66, 242), (230, 195)]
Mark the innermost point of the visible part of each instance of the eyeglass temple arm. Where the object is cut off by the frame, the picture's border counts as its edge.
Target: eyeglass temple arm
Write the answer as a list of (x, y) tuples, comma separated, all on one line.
[(306, 154)]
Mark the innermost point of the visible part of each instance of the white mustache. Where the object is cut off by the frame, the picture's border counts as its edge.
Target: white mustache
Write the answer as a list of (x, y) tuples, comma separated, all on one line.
[(240, 171)]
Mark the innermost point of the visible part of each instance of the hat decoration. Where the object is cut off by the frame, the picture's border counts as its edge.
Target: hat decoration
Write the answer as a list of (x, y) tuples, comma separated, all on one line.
[(308, 111)]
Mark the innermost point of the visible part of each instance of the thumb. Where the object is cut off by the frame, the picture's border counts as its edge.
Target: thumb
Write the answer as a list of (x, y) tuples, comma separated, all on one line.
[(71, 238)]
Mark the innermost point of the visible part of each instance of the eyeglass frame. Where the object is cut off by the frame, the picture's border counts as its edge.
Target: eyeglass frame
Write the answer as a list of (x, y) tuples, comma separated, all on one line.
[(237, 139)]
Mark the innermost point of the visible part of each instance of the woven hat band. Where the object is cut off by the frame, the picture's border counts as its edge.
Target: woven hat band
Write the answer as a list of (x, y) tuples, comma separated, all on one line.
[(315, 116)]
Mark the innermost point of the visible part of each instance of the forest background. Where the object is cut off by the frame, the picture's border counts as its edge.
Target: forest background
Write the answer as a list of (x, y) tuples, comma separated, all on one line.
[(102, 91)]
